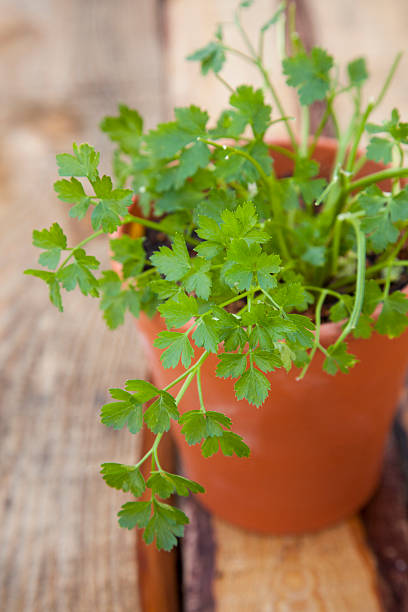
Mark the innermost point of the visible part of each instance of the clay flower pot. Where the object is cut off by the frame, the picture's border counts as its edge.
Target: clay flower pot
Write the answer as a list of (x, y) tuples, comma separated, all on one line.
[(316, 445)]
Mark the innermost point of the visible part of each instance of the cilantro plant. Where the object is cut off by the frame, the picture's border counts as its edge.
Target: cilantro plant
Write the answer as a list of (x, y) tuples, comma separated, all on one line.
[(246, 264)]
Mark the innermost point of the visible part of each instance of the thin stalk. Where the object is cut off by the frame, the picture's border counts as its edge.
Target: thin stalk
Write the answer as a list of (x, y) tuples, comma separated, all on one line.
[(242, 153), (195, 365), (305, 131), (359, 296), (352, 155), (156, 226), (314, 348), (200, 391), (336, 247), (224, 82), (79, 245), (376, 177), (387, 283), (388, 80), (236, 298), (335, 294)]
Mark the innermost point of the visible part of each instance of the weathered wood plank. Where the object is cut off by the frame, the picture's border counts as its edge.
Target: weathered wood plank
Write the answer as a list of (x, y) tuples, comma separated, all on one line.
[(66, 64), (328, 571)]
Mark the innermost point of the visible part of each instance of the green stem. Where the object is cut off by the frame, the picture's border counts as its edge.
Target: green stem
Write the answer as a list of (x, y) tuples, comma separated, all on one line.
[(192, 368), (387, 283), (305, 131), (352, 156), (335, 247), (388, 80), (335, 294), (224, 82), (275, 304), (200, 391), (318, 312), (359, 296), (319, 130), (242, 153), (79, 245), (235, 299), (376, 177)]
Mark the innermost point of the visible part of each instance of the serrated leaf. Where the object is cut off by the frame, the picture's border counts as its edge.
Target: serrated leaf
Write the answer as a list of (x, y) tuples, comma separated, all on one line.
[(193, 425), (166, 524), (84, 162), (157, 416), (126, 411), (267, 361), (134, 514), (143, 390), (174, 263), (252, 108), (207, 334), (125, 129), (252, 386), (123, 477), (54, 238), (178, 310), (310, 74), (178, 347), (231, 365), (191, 159), (70, 191), (380, 150), (211, 57), (393, 320), (165, 484), (339, 359), (230, 443)]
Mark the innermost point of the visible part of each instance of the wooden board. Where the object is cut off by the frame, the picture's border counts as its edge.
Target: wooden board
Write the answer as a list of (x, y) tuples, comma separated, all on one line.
[(66, 64)]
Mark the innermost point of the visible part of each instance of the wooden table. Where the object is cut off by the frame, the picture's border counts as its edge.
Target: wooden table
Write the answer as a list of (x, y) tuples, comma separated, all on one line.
[(63, 65)]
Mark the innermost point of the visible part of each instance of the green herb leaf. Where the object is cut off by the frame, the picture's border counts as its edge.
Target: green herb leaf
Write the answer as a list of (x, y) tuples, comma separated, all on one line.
[(211, 57), (231, 365), (166, 525), (252, 108), (339, 359), (252, 386), (84, 162), (310, 74), (178, 347), (157, 416), (179, 310), (165, 484), (123, 477), (134, 514), (357, 72), (125, 129), (126, 411), (174, 263), (393, 319)]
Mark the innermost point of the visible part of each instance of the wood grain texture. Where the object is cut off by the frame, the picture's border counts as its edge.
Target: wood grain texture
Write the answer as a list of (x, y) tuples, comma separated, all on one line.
[(330, 571), (66, 64)]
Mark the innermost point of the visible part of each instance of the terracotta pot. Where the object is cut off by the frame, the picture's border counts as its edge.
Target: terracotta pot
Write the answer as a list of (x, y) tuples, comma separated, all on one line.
[(316, 445)]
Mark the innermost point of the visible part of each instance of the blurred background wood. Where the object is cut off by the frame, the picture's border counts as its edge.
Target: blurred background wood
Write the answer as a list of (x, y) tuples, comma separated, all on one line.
[(63, 65)]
